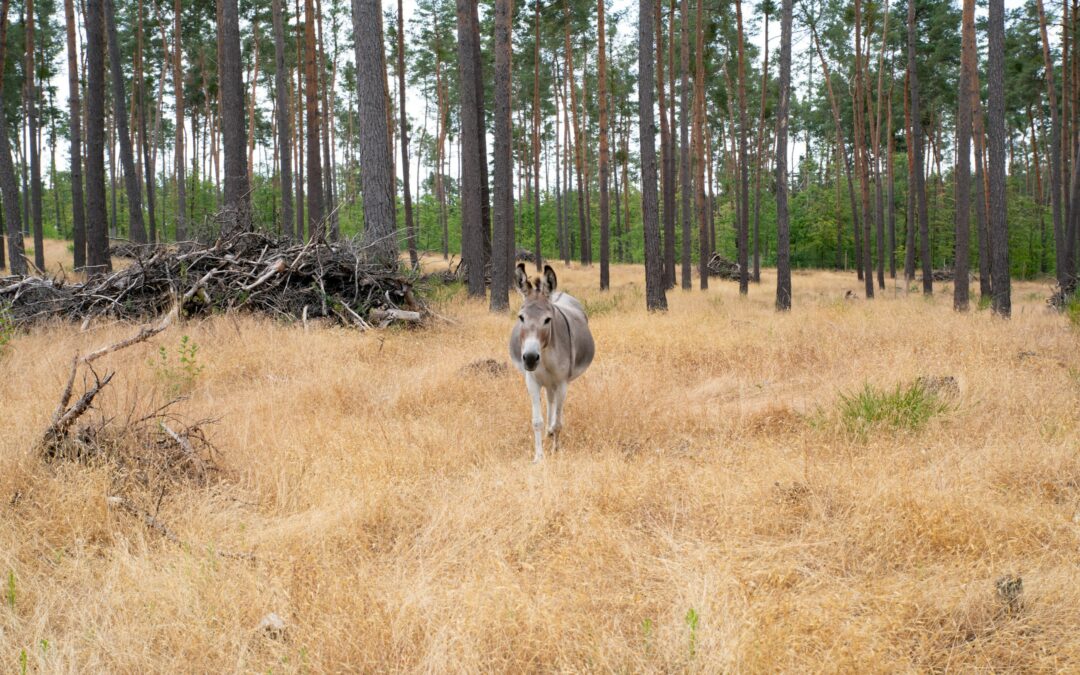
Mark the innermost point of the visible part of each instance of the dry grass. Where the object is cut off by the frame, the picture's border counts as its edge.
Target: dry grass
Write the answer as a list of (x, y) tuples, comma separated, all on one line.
[(385, 488)]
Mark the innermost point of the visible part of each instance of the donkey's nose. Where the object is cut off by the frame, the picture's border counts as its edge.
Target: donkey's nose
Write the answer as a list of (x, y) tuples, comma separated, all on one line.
[(530, 359)]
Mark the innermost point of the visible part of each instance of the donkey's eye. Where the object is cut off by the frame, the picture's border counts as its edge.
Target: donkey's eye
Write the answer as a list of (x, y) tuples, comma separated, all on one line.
[(521, 318), (547, 321)]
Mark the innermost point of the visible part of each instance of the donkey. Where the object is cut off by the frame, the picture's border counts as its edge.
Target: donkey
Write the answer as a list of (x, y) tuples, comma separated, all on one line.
[(551, 344)]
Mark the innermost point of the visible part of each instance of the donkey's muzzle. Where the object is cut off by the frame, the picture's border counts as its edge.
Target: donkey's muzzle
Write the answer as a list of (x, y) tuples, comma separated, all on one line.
[(531, 360)]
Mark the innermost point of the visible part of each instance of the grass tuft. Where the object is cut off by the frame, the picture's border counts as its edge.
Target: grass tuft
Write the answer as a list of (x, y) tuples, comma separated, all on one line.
[(905, 408)]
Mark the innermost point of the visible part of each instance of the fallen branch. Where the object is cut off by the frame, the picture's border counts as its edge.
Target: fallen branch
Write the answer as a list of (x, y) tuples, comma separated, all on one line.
[(64, 416), (155, 524)]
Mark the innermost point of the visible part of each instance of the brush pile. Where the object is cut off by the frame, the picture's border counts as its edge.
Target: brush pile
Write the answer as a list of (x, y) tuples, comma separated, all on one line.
[(246, 271), (721, 267)]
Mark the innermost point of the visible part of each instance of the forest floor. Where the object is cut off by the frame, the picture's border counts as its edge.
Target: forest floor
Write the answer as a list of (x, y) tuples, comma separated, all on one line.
[(724, 500)]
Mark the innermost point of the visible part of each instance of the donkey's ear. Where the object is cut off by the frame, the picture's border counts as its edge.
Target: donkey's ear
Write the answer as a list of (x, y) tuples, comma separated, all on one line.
[(549, 283), (521, 280)]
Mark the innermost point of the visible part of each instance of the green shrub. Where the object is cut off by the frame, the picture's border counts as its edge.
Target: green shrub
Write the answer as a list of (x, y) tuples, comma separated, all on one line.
[(1072, 310), (179, 375), (7, 327), (905, 408)]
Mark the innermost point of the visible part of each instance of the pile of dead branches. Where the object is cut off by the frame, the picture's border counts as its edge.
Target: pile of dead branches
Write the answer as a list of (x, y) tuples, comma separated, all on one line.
[(942, 275), (721, 267), (246, 271)]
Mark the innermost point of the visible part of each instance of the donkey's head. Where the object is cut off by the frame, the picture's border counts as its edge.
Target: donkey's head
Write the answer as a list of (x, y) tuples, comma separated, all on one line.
[(536, 314)]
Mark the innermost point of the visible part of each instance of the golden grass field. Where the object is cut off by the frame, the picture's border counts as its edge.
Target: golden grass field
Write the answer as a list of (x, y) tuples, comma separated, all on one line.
[(708, 512)]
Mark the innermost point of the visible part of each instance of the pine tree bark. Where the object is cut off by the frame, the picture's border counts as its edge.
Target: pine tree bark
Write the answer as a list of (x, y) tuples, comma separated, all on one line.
[(744, 169), (144, 139), (30, 75), (377, 182), (312, 77), (9, 185), (471, 199), (699, 148), (890, 198), (410, 224), (605, 215), (1055, 148), (178, 97), (685, 184), (579, 153), (281, 94), (78, 213), (981, 197), (783, 229), (136, 227), (237, 198), (536, 158), (98, 259), (758, 156), (962, 175), (842, 152), (666, 178), (504, 168), (655, 289), (999, 232), (879, 193), (917, 183), (861, 163)]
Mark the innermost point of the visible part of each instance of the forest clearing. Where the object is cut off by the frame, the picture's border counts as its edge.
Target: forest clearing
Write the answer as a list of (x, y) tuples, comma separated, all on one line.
[(724, 499)]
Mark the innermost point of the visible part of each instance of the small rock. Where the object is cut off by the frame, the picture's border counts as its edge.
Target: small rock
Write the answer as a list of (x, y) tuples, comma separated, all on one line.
[(942, 385), (1009, 589), (489, 367), (273, 626)]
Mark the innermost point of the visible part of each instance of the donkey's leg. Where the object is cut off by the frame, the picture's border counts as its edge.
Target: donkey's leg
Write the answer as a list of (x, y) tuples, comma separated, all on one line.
[(537, 416), (555, 422), (552, 411)]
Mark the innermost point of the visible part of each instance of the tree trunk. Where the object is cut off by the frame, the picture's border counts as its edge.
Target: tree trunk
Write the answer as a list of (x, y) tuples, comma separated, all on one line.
[(962, 176), (504, 168), (861, 163), (840, 149), (312, 77), (999, 233), (666, 178), (685, 184), (536, 155), (127, 158), (981, 197), (410, 224), (783, 254), (655, 295), (699, 148), (472, 243), (440, 150), (879, 193), (1055, 147), (29, 76), (890, 198), (758, 156), (78, 213), (917, 183), (237, 198), (178, 97), (481, 130), (97, 226), (375, 157), (144, 139), (9, 186), (744, 169), (579, 153), (605, 215), (283, 126)]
